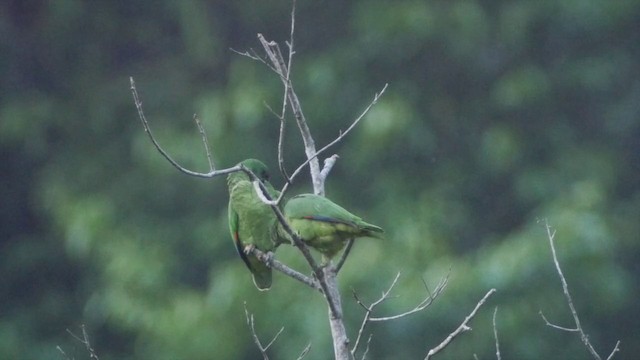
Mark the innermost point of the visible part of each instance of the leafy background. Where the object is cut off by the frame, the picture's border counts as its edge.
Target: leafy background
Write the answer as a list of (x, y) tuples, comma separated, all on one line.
[(499, 114)]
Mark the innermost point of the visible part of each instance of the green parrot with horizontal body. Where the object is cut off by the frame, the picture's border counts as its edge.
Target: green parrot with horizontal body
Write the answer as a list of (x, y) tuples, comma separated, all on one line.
[(325, 225), (251, 221)]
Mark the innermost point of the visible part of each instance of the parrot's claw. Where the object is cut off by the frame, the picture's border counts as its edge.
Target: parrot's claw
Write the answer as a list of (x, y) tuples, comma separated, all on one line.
[(266, 257), (248, 249)]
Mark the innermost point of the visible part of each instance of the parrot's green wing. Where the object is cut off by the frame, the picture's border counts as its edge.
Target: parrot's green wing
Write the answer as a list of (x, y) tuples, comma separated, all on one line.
[(251, 221), (262, 276), (324, 224)]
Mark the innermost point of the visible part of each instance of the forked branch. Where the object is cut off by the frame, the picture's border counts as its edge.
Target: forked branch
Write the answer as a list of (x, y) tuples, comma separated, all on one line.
[(263, 348), (368, 318), (212, 172), (84, 340), (462, 328), (275, 61), (340, 136), (565, 289)]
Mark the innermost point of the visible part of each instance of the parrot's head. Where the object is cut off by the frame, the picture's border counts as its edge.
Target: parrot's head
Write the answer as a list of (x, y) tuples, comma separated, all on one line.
[(258, 168)]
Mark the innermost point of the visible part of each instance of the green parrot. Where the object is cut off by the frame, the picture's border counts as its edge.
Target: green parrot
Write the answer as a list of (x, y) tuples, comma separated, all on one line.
[(324, 225), (251, 221)]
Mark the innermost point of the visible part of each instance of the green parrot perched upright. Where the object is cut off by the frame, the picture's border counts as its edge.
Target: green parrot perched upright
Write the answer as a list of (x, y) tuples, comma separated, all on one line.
[(324, 225), (251, 221)]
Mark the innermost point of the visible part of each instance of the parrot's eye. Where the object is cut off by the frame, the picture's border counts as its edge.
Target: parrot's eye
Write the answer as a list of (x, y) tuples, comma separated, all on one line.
[(265, 176)]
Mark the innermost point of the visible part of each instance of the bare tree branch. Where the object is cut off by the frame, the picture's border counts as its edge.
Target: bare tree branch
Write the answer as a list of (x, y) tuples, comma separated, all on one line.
[(304, 352), (287, 81), (263, 348), (205, 142), (462, 328), (275, 264), (345, 253), (556, 326), (421, 306), (63, 353), (328, 165), (366, 350), (342, 134), (565, 289), (251, 54), (336, 323), (84, 340), (329, 162), (281, 166), (275, 56), (368, 318), (614, 351), (166, 155)]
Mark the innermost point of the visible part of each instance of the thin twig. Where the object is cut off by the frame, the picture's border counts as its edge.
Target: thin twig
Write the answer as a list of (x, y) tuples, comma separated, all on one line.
[(85, 341), (565, 289), (615, 350), (287, 82), (426, 302), (548, 323), (345, 253), (281, 166), (368, 310), (366, 350), (495, 334), (282, 118), (314, 156), (368, 318), (275, 56), (166, 155), (254, 56), (462, 328), (342, 134), (251, 323), (63, 353), (291, 32), (304, 352), (205, 142)]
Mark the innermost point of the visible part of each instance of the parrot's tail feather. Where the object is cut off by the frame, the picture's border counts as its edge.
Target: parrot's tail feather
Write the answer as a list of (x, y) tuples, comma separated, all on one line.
[(373, 231), (262, 280), (261, 273), (373, 228)]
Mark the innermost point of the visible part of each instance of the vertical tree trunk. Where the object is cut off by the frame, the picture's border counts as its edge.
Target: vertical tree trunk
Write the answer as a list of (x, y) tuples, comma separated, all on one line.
[(338, 332)]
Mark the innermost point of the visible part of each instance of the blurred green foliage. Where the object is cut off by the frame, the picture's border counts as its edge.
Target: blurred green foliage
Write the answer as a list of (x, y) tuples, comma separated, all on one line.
[(499, 114)]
